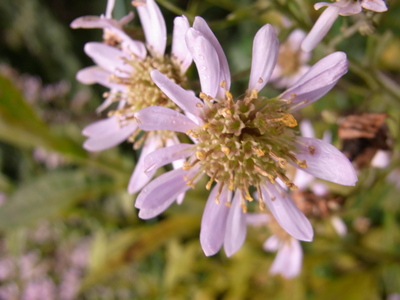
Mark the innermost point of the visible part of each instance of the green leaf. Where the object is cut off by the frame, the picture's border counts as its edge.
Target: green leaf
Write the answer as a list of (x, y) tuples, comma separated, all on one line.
[(20, 125), (48, 196), (131, 245)]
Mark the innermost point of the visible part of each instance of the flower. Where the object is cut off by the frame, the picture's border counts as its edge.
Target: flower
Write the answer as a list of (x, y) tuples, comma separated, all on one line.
[(124, 67), (289, 259), (291, 63), (328, 17), (240, 143)]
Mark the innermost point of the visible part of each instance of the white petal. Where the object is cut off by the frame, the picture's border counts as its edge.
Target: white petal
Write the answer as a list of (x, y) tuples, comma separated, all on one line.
[(320, 28), (374, 5), (159, 194), (95, 74), (302, 179), (153, 24), (179, 49), (255, 219), (201, 25), (139, 179), (325, 161), (353, 8), (339, 225), (161, 118), (306, 129), (265, 54), (102, 127), (180, 198), (109, 9), (287, 213), (167, 155), (213, 222), (176, 164), (128, 45), (381, 159), (206, 60), (319, 189), (183, 98), (295, 39), (339, 4), (236, 228), (108, 57), (317, 81), (289, 259), (272, 244), (90, 22), (109, 139), (327, 137)]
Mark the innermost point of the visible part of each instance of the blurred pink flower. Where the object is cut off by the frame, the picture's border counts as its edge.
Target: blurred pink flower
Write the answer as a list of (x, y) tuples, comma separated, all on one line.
[(328, 17), (289, 258), (124, 68), (239, 143), (292, 61)]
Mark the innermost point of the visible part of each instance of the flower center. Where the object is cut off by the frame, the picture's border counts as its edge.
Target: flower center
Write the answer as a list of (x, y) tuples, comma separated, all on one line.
[(288, 60), (141, 91), (245, 142)]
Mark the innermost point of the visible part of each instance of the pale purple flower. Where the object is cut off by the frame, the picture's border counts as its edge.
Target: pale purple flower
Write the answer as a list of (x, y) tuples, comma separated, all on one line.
[(39, 289), (292, 61), (381, 159), (328, 17), (289, 258), (239, 143), (124, 67)]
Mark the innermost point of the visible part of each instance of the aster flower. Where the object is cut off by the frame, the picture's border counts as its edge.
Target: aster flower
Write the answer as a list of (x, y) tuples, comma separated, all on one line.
[(328, 17), (124, 67), (292, 61), (240, 143), (289, 258)]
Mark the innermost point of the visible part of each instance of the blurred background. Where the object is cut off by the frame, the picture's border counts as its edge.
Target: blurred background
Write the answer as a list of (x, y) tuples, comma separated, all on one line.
[(68, 227)]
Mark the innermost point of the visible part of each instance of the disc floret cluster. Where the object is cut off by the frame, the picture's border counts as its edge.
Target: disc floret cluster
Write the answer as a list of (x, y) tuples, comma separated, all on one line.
[(245, 142)]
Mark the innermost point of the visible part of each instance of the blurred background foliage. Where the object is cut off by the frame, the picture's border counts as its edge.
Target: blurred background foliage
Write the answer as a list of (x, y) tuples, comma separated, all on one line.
[(69, 229)]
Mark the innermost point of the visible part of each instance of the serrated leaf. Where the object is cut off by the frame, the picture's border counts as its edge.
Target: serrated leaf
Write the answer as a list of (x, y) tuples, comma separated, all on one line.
[(47, 196)]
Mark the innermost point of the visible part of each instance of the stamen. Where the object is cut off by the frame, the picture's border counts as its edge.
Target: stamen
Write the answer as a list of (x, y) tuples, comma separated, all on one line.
[(191, 181), (231, 181), (286, 180), (294, 107), (219, 193), (200, 155), (258, 152), (301, 163), (187, 166), (281, 161), (311, 149), (254, 94), (226, 150), (191, 133), (289, 120), (212, 179), (139, 143)]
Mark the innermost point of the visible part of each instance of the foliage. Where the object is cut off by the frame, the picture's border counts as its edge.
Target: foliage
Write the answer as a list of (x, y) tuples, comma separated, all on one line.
[(82, 196)]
